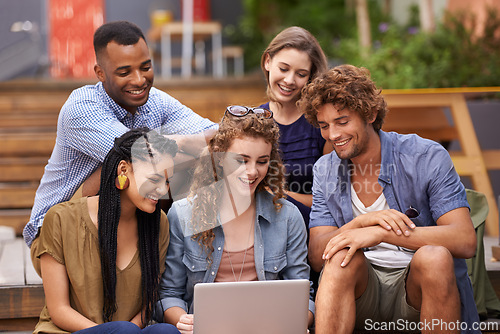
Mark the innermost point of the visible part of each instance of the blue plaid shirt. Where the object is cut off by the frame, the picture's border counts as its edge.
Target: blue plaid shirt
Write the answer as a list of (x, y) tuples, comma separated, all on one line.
[(88, 123)]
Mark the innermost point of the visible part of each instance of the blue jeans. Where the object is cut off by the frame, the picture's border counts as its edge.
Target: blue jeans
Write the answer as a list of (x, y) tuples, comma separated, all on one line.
[(125, 327)]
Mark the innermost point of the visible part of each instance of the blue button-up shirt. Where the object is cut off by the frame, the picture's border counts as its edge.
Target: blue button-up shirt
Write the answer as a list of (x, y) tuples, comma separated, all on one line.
[(414, 172), (280, 251), (88, 123)]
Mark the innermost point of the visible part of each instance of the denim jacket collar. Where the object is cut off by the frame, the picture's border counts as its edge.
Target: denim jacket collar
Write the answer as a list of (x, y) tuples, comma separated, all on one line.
[(386, 158), (264, 206)]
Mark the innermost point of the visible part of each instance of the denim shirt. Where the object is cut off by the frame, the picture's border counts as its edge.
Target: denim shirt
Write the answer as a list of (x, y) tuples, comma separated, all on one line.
[(280, 252), (414, 172)]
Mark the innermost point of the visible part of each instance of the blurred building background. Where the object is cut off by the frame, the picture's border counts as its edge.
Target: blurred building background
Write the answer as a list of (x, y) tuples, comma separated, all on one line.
[(54, 37), (40, 36), (413, 43)]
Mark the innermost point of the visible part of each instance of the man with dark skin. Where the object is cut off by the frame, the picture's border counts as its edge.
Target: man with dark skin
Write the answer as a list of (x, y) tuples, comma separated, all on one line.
[(94, 115), (128, 80), (379, 267)]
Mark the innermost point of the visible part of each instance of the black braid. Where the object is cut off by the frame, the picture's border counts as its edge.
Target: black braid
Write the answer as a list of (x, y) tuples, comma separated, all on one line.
[(148, 224), (149, 258)]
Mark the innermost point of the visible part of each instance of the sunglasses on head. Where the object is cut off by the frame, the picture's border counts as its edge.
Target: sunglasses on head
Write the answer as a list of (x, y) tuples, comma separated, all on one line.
[(241, 111)]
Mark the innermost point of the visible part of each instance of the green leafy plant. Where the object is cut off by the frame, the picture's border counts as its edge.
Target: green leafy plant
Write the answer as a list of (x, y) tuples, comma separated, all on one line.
[(457, 54), (328, 20)]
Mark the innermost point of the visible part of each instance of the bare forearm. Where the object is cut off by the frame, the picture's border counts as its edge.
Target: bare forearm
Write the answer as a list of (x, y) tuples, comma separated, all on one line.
[(173, 314), (69, 319), (454, 230), (56, 288), (461, 244)]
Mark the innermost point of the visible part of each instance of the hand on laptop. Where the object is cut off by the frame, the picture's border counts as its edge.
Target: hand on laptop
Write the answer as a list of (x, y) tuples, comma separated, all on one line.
[(185, 324)]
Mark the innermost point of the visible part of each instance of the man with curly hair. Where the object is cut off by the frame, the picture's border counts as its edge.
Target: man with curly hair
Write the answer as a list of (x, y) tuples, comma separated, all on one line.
[(390, 224)]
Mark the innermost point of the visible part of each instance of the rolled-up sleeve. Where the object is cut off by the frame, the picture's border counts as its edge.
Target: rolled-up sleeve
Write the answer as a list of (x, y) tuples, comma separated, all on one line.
[(320, 213), (446, 191), (296, 251), (51, 235), (173, 281)]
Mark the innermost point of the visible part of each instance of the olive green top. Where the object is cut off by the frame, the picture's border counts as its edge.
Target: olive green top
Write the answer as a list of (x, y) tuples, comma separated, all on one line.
[(70, 237)]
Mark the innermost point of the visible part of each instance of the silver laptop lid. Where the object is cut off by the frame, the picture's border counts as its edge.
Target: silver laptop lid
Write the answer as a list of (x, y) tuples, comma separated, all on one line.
[(274, 307)]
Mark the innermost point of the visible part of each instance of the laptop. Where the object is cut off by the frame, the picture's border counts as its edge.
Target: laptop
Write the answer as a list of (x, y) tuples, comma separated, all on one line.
[(274, 307)]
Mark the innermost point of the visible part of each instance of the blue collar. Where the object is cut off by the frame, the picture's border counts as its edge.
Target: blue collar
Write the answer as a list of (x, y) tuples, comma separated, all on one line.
[(265, 206), (387, 167)]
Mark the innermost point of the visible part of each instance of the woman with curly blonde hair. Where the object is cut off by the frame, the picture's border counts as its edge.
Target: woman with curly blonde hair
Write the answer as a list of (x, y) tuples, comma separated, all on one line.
[(235, 219)]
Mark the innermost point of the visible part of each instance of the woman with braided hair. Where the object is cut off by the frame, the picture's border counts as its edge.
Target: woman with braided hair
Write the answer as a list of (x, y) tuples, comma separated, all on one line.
[(102, 256)]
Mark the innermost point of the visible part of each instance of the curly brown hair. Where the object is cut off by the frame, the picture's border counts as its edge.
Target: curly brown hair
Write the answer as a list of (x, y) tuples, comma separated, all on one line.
[(206, 192), (344, 86)]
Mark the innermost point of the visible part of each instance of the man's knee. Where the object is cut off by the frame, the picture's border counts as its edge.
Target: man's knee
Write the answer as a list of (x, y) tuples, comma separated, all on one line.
[(432, 278), (432, 259), (333, 270), (432, 267)]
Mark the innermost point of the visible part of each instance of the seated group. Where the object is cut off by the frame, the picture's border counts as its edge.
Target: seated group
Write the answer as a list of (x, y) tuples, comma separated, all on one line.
[(305, 184)]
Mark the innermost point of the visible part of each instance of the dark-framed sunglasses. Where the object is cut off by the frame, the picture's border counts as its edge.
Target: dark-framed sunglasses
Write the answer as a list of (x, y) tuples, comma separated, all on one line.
[(241, 111), (411, 212)]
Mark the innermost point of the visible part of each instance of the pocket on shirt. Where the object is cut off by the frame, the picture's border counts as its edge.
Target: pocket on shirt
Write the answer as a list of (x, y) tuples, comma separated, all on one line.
[(196, 267), (273, 266)]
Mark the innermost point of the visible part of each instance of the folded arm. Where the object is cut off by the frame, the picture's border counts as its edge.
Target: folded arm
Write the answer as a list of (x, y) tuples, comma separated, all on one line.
[(391, 221), (454, 230)]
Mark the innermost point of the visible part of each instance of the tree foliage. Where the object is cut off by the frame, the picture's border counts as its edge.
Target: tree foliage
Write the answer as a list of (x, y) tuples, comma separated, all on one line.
[(456, 54), (328, 20)]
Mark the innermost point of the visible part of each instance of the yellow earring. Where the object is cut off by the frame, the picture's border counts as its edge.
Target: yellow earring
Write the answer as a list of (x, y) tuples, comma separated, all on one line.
[(121, 181)]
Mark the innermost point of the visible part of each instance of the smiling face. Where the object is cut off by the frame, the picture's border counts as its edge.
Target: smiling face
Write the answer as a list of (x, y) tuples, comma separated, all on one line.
[(126, 73), (245, 165), (348, 133), (148, 182), (289, 72)]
